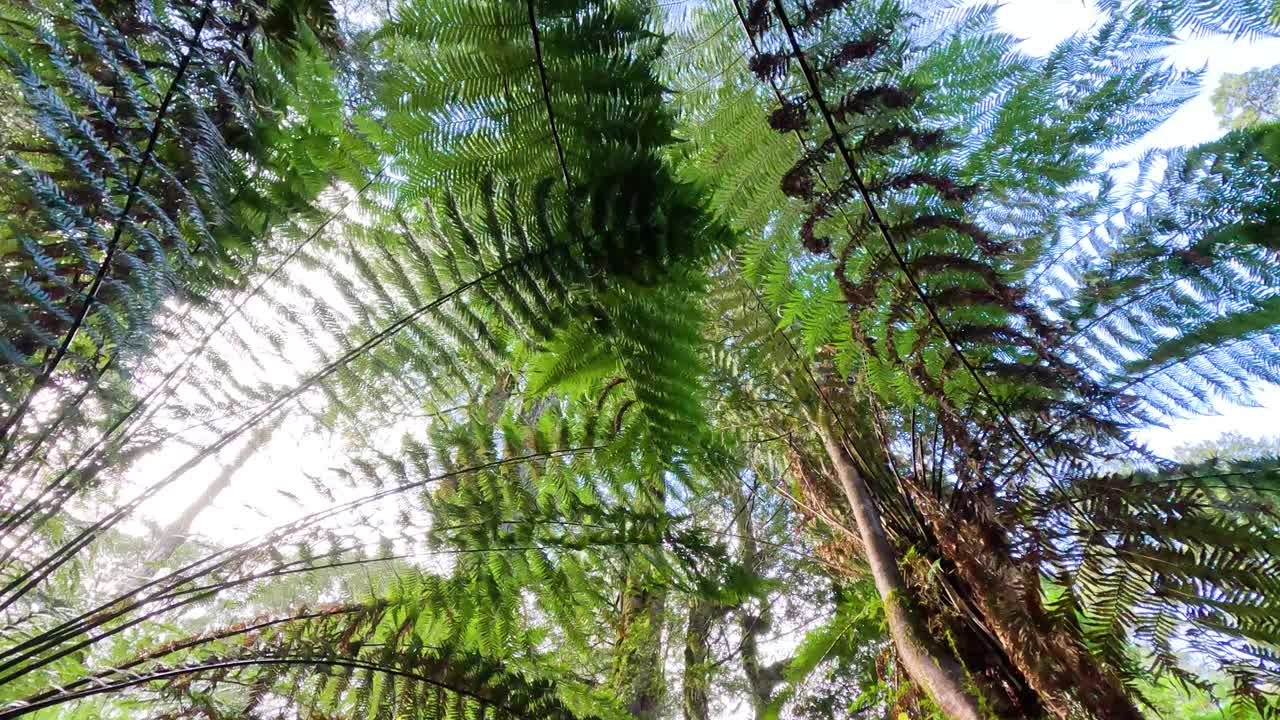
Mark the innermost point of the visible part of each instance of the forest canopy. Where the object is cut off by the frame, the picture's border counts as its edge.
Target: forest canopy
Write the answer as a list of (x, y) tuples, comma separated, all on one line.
[(607, 359)]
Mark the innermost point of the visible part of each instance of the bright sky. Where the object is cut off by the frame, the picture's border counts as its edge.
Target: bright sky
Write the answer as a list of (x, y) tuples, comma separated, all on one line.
[(1041, 23)]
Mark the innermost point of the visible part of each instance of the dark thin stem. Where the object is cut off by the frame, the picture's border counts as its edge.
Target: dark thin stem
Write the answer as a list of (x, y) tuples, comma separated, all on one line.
[(250, 662), (546, 94), (816, 90), (104, 265), (846, 436), (1135, 299), (52, 427), (1088, 235), (195, 641)]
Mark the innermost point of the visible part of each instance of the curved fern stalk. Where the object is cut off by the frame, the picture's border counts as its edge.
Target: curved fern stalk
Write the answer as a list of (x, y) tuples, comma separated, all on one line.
[(66, 413), (369, 623), (179, 372), (104, 266), (546, 93), (441, 669), (98, 450), (127, 668), (28, 656), (184, 597), (31, 577), (329, 369)]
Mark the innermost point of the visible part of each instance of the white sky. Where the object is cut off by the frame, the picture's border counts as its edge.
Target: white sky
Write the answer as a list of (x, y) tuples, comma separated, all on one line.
[(1042, 24)]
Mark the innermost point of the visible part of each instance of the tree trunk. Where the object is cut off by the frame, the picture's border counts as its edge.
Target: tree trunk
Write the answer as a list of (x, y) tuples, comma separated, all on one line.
[(638, 661), (762, 680), (176, 532), (927, 664), (697, 652)]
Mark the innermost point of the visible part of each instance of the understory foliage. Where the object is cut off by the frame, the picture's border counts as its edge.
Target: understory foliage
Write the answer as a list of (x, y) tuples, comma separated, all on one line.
[(540, 336)]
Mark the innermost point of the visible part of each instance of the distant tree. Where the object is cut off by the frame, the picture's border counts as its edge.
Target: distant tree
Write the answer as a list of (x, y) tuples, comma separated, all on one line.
[(1228, 446), (1248, 98)]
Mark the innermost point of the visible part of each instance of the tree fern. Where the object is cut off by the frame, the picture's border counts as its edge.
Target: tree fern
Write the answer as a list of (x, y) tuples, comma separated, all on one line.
[(926, 218), (181, 206), (580, 312)]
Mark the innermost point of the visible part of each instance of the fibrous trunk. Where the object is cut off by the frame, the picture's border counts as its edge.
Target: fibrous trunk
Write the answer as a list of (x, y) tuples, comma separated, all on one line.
[(1061, 671)]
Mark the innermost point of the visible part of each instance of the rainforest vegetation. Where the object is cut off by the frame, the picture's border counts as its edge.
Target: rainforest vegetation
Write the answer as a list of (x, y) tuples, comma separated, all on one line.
[(608, 359)]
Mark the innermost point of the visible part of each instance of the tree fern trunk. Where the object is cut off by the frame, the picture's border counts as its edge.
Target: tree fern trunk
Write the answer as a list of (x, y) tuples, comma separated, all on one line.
[(1060, 670), (927, 664)]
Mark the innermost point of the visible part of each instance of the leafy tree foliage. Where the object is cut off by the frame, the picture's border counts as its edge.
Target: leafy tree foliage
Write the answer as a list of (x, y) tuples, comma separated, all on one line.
[(1228, 446), (1247, 98)]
